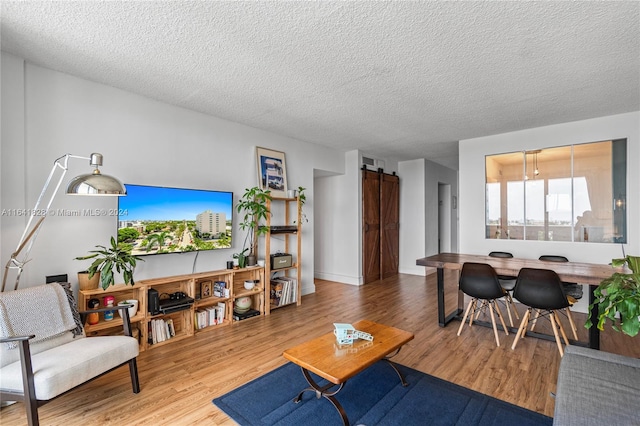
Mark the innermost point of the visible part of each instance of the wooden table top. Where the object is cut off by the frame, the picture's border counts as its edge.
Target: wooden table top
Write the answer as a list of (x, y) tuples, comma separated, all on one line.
[(584, 273), (338, 363)]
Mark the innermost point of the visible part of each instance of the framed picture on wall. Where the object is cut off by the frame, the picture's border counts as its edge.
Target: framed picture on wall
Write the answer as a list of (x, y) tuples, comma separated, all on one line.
[(272, 171)]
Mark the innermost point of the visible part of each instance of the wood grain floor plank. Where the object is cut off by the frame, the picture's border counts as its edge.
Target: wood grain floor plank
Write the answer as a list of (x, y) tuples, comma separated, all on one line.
[(180, 379)]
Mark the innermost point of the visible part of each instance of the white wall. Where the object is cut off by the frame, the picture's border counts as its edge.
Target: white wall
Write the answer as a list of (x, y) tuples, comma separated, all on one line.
[(339, 232), (419, 205), (472, 170), (472, 179), (47, 114)]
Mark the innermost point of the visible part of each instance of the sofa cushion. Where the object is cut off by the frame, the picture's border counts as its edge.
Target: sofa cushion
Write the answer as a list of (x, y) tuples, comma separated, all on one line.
[(597, 388), (63, 367)]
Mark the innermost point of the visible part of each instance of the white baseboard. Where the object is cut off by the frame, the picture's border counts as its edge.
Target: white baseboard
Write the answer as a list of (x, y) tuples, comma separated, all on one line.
[(344, 279)]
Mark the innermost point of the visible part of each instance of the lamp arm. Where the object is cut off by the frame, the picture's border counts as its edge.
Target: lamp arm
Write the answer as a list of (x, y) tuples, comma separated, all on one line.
[(30, 232)]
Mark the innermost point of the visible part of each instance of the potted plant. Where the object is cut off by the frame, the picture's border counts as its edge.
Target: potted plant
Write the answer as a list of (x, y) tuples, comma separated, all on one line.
[(303, 199), (253, 208), (117, 257), (618, 298)]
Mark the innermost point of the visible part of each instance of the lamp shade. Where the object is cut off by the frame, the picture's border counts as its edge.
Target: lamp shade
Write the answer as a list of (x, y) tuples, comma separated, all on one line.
[(95, 184)]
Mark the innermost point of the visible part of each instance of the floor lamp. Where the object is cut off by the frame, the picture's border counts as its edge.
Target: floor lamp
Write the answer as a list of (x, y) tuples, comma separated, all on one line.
[(94, 183)]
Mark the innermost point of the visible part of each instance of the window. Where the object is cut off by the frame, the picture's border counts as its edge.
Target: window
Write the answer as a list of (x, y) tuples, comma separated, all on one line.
[(568, 193)]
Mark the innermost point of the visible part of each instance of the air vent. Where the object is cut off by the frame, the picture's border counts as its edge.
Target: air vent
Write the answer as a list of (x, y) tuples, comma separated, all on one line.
[(372, 163)]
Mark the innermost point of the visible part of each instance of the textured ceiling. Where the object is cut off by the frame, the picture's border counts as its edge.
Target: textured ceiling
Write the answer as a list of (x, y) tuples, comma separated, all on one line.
[(401, 80)]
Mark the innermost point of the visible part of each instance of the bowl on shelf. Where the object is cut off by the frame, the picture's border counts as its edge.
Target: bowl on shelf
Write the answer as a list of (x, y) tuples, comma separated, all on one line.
[(242, 304), (132, 309), (250, 284)]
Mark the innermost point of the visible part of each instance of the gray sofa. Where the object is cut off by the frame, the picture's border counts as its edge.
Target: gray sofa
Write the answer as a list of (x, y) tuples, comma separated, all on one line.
[(597, 388)]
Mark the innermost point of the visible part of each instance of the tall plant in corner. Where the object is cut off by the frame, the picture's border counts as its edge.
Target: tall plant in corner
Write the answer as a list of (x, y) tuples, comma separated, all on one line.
[(618, 298), (117, 257), (253, 208)]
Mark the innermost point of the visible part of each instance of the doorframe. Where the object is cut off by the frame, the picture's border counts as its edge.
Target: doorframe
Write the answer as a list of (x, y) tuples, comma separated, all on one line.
[(444, 218)]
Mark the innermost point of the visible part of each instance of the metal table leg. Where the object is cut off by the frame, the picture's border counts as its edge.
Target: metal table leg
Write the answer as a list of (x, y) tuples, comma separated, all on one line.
[(324, 392)]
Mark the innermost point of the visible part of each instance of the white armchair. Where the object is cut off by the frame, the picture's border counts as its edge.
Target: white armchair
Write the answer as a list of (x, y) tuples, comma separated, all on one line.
[(44, 352)]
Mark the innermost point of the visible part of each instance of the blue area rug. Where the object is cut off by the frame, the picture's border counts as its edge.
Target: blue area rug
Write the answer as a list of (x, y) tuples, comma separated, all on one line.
[(373, 397)]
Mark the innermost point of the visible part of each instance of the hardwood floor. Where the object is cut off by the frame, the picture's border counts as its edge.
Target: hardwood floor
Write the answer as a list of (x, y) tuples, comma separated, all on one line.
[(180, 379)]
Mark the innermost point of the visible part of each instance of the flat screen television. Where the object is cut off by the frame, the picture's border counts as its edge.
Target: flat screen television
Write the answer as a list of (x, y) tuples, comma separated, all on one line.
[(157, 220)]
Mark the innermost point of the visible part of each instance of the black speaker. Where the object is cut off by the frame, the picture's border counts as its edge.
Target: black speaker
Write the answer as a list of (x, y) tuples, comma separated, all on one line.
[(62, 278), (153, 298)]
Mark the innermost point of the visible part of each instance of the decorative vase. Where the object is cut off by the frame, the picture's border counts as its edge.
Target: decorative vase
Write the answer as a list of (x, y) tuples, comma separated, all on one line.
[(242, 304), (85, 283), (93, 318), (132, 309)]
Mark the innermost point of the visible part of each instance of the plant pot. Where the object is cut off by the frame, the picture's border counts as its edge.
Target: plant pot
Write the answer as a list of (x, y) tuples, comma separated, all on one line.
[(252, 259), (88, 284), (132, 309), (250, 284)]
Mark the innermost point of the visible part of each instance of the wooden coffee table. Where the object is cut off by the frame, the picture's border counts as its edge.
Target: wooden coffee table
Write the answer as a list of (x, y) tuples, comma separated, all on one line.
[(338, 363)]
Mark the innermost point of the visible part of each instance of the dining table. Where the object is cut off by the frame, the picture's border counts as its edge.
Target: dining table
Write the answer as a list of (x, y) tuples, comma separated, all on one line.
[(590, 274)]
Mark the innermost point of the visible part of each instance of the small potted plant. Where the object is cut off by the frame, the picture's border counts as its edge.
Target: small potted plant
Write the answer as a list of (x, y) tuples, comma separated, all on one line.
[(118, 257), (303, 199), (253, 206), (618, 298)]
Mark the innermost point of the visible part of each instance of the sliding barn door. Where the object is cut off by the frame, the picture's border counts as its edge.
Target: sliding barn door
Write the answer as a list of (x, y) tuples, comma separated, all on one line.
[(370, 226), (380, 213), (389, 225)]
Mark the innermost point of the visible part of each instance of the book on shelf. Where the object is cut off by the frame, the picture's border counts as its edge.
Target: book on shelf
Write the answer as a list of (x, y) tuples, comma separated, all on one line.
[(284, 290), (172, 329), (210, 316), (220, 289), (244, 315), (161, 330)]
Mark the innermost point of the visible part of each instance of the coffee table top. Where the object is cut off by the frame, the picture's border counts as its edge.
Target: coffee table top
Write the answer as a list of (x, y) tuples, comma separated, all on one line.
[(338, 363)]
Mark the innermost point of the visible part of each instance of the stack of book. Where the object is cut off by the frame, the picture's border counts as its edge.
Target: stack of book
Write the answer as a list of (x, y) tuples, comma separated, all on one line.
[(220, 289), (161, 330), (213, 315), (239, 316), (284, 290)]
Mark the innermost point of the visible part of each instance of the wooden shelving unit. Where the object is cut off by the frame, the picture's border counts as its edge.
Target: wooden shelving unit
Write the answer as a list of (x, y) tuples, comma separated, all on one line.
[(285, 212), (183, 320), (120, 292)]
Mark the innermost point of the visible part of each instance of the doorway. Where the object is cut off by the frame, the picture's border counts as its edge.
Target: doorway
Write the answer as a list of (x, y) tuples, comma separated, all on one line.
[(444, 218)]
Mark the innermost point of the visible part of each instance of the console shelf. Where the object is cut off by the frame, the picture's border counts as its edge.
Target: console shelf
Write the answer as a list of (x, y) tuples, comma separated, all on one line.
[(182, 323)]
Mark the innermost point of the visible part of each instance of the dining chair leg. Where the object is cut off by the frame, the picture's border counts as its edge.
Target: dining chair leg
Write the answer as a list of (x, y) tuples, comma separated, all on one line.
[(475, 310), (552, 317), (523, 326), (535, 319), (493, 322), (464, 318), (561, 327), (572, 323), (479, 310), (501, 317), (507, 304), (513, 306)]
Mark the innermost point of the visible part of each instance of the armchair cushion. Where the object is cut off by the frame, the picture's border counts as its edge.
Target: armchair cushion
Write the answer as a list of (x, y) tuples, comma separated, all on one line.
[(63, 367), (43, 311)]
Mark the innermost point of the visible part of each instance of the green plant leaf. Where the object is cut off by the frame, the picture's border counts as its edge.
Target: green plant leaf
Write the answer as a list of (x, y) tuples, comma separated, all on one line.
[(618, 298)]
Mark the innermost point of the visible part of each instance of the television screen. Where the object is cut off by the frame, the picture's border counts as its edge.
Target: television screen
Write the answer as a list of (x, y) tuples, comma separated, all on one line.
[(157, 220)]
